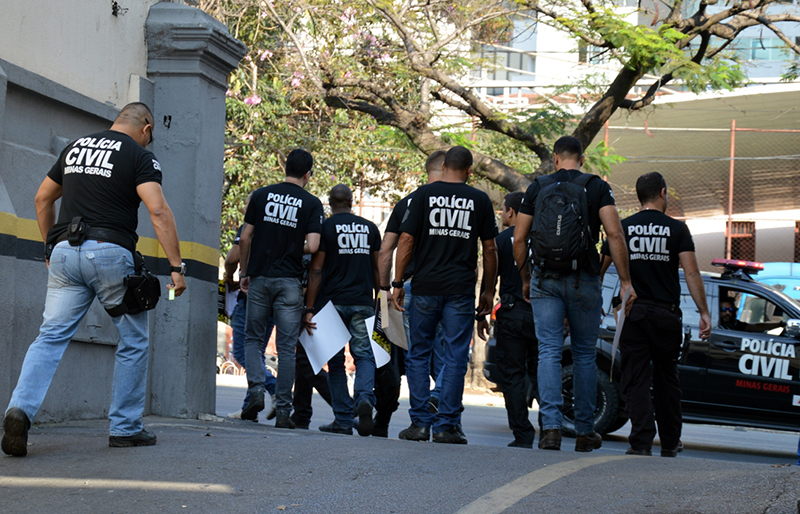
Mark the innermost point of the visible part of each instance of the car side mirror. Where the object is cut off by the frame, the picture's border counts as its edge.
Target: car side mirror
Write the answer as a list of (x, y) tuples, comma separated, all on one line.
[(792, 328)]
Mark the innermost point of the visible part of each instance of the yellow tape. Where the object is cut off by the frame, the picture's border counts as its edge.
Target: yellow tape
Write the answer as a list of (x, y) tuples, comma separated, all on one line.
[(23, 228)]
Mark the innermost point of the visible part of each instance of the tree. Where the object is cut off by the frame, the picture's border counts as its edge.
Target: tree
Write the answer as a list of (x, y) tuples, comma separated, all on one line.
[(401, 61), (267, 116)]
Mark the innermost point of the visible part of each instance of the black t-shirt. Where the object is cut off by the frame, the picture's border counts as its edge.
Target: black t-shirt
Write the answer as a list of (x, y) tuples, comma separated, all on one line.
[(446, 219), (349, 242), (99, 174), (510, 280), (598, 195), (654, 243), (393, 226), (281, 215)]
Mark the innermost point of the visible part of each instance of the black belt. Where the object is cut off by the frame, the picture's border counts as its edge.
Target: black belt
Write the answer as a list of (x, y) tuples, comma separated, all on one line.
[(672, 307), (109, 236)]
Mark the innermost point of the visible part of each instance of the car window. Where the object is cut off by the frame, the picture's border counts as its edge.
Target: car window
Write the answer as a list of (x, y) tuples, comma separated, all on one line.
[(691, 316)]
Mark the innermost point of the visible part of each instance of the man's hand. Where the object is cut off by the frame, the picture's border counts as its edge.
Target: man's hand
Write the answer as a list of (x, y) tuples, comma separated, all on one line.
[(397, 297), (309, 325), (624, 286), (705, 326), (244, 284), (526, 291), (483, 329), (486, 303), (178, 283)]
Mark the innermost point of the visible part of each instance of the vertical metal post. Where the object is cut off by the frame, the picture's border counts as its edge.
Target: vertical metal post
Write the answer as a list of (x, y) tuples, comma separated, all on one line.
[(729, 230)]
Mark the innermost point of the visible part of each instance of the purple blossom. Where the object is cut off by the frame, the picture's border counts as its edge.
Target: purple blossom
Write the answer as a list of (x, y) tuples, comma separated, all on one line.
[(266, 54), (252, 100)]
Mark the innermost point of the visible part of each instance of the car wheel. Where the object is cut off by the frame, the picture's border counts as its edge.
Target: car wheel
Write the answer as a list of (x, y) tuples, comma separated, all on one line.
[(606, 411)]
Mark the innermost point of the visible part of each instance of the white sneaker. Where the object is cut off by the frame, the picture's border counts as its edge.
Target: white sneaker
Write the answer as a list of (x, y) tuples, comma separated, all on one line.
[(235, 415), (272, 407)]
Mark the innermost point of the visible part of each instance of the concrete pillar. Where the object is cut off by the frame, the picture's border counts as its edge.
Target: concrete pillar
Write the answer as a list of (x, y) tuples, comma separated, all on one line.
[(189, 57)]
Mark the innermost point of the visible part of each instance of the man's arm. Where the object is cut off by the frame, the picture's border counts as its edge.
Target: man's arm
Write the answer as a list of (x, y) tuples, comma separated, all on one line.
[(521, 231), (376, 273), (489, 282), (609, 217), (245, 240), (166, 231), (231, 263), (405, 247), (694, 281), (312, 243), (314, 281), (45, 201), (388, 246)]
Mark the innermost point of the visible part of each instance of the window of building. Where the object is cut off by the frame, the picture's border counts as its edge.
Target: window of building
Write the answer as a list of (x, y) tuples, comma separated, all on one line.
[(743, 240)]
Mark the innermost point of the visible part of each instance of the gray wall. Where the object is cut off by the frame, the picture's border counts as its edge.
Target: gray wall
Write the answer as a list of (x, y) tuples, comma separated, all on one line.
[(188, 58)]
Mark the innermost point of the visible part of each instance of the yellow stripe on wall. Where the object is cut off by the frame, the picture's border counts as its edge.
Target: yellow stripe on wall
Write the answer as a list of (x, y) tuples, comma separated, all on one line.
[(23, 228)]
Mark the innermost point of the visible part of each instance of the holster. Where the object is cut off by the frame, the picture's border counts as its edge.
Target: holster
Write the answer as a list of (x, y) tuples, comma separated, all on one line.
[(144, 290)]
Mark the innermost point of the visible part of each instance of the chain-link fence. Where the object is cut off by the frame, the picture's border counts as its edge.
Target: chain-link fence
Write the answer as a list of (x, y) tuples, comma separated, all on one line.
[(738, 189)]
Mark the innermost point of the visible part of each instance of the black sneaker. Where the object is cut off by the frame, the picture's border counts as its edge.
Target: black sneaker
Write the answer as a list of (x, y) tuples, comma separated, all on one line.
[(365, 424), (643, 453), (15, 432), (380, 430), (415, 433), (433, 405), (516, 443), (143, 438), (452, 435), (666, 452), (283, 420), (255, 403), (335, 428)]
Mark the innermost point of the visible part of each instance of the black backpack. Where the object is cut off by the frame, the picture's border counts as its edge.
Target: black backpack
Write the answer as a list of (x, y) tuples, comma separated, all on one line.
[(560, 236)]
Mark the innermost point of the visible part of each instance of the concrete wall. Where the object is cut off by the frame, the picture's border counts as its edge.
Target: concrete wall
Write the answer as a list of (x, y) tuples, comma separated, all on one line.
[(80, 45), (176, 59)]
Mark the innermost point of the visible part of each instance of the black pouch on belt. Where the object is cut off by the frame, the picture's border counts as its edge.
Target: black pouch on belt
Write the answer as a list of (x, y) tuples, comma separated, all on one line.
[(77, 231), (144, 290)]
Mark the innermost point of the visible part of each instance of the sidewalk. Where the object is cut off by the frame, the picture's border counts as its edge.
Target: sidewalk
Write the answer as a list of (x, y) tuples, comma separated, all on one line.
[(238, 466)]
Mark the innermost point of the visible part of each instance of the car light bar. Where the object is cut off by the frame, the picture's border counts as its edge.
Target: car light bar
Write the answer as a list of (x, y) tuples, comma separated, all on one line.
[(734, 265)]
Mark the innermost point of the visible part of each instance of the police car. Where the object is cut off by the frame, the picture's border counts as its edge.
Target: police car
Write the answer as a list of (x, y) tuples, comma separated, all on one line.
[(747, 373)]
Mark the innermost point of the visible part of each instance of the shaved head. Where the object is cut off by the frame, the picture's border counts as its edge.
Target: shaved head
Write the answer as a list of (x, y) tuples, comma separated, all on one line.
[(433, 165), (340, 197), (136, 114)]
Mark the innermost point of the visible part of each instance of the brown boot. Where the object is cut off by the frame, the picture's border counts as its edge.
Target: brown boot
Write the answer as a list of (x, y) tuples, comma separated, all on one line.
[(550, 439), (587, 443)]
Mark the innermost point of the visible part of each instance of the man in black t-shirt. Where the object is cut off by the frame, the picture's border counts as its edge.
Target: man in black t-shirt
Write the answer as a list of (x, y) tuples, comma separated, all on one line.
[(282, 223), (574, 295), (387, 378), (517, 351), (345, 272), (442, 227), (101, 180), (653, 331)]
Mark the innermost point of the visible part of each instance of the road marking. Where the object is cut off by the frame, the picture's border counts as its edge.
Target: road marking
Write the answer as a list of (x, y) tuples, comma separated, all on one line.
[(504, 497), (101, 483)]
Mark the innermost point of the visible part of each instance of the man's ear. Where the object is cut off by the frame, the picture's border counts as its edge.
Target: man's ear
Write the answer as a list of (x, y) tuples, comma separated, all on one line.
[(583, 159)]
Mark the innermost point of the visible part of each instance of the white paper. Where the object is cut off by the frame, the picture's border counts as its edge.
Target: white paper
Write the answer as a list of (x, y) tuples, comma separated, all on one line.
[(381, 356), (329, 337), (230, 300), (617, 334)]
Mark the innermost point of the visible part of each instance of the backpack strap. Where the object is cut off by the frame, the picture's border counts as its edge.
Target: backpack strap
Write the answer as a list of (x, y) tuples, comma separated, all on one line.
[(584, 179)]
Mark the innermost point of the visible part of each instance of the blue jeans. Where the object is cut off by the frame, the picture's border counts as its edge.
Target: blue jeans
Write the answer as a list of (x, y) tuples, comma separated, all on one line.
[(282, 300), (77, 274), (456, 313), (238, 318), (361, 350), (437, 356), (576, 297)]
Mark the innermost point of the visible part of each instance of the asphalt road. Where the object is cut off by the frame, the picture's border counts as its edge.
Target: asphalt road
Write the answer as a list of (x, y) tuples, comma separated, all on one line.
[(485, 424)]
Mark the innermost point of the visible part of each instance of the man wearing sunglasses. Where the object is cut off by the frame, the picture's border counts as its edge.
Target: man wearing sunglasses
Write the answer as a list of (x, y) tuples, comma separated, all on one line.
[(101, 179), (728, 321)]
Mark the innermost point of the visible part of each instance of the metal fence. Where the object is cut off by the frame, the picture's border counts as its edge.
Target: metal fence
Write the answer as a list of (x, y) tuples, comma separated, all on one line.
[(738, 189)]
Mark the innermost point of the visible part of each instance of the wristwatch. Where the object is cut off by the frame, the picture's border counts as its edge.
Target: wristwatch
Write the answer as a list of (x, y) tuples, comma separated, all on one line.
[(397, 284), (386, 288), (178, 269)]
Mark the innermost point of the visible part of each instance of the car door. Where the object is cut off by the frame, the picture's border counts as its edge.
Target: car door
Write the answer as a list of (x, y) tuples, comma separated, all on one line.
[(693, 363), (753, 374)]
